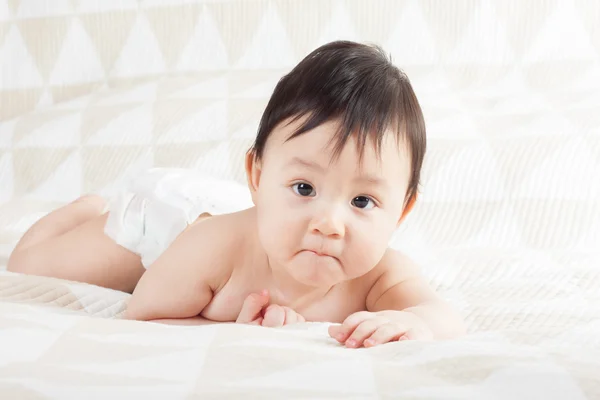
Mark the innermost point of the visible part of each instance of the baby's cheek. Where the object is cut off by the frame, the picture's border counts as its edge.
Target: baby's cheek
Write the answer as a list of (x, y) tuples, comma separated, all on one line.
[(358, 263), (365, 253), (275, 232)]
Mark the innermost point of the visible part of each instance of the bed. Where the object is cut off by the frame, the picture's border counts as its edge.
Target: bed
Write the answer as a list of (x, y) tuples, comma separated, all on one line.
[(507, 227)]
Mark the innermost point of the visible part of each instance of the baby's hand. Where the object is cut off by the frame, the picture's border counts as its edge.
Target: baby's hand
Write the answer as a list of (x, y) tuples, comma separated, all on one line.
[(372, 328), (256, 310)]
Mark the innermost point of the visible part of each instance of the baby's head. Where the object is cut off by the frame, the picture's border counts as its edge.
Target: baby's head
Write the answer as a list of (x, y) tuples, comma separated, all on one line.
[(336, 163)]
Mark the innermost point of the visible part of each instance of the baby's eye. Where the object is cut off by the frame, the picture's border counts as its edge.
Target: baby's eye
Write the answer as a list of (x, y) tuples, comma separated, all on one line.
[(303, 189), (363, 202)]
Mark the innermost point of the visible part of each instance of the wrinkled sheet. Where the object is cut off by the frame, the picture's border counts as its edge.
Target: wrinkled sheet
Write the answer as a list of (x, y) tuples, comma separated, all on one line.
[(65, 340), (507, 226)]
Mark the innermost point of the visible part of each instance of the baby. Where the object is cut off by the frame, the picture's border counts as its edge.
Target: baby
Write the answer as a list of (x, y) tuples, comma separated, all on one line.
[(332, 173)]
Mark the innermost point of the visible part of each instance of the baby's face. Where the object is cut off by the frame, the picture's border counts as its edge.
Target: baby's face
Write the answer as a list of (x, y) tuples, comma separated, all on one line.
[(327, 221)]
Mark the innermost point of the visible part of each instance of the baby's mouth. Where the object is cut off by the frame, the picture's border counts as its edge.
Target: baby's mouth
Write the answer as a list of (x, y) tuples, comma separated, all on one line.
[(317, 252), (320, 254)]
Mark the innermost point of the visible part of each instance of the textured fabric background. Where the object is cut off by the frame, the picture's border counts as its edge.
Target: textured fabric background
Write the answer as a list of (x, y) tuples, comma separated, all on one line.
[(52, 51), (508, 226)]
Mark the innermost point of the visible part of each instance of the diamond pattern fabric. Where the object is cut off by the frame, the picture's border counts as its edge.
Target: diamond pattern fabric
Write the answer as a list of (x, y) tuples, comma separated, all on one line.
[(507, 226)]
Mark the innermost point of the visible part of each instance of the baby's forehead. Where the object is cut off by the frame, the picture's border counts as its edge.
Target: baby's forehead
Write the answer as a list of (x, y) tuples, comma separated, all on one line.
[(329, 137), (320, 147)]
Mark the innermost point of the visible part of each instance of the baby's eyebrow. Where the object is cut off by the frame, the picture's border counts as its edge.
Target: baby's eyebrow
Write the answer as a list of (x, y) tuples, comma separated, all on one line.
[(371, 179), (307, 164)]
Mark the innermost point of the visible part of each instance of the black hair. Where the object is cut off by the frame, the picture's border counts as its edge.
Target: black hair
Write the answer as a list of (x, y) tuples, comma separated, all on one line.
[(357, 84)]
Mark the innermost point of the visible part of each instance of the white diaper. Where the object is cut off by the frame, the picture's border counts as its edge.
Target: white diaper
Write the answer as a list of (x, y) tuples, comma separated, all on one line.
[(155, 207)]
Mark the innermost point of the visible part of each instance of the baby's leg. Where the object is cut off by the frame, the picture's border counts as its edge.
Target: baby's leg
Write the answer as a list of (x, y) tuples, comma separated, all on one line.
[(70, 244), (62, 220)]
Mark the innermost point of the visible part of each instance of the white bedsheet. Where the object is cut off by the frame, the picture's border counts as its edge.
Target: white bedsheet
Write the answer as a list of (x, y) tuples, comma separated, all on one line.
[(73, 349), (507, 226)]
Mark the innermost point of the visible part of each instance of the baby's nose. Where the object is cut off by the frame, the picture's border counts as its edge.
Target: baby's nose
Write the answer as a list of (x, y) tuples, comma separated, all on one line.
[(330, 222)]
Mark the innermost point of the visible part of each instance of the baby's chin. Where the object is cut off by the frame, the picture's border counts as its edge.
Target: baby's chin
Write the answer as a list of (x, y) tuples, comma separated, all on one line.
[(315, 270)]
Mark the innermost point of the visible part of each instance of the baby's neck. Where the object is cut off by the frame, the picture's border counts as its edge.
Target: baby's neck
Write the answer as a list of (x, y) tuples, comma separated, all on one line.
[(286, 291)]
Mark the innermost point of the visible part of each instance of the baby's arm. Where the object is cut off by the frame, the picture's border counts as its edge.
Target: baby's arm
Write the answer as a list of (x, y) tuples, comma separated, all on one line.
[(179, 284), (402, 287), (400, 305)]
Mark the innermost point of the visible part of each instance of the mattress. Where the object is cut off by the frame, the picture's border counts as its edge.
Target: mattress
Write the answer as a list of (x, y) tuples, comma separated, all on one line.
[(507, 226), (66, 340)]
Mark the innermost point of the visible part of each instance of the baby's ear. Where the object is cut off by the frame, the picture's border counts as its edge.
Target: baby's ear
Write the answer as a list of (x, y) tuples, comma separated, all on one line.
[(253, 170), (408, 208)]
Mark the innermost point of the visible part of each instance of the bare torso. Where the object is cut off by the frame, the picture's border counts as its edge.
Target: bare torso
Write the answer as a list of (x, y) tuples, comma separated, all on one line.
[(245, 271)]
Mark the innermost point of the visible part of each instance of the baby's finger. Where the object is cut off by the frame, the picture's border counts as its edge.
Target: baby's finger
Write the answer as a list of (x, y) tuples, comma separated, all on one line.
[(386, 333), (291, 316), (363, 331), (341, 332), (252, 307), (274, 316), (335, 331)]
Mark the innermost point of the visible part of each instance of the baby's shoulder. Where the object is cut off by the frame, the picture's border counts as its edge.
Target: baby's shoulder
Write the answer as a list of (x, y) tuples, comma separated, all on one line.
[(219, 241), (221, 234), (394, 265), (395, 261)]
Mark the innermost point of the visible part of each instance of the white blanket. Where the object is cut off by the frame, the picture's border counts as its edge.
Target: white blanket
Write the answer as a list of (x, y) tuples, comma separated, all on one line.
[(507, 227), (73, 349)]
